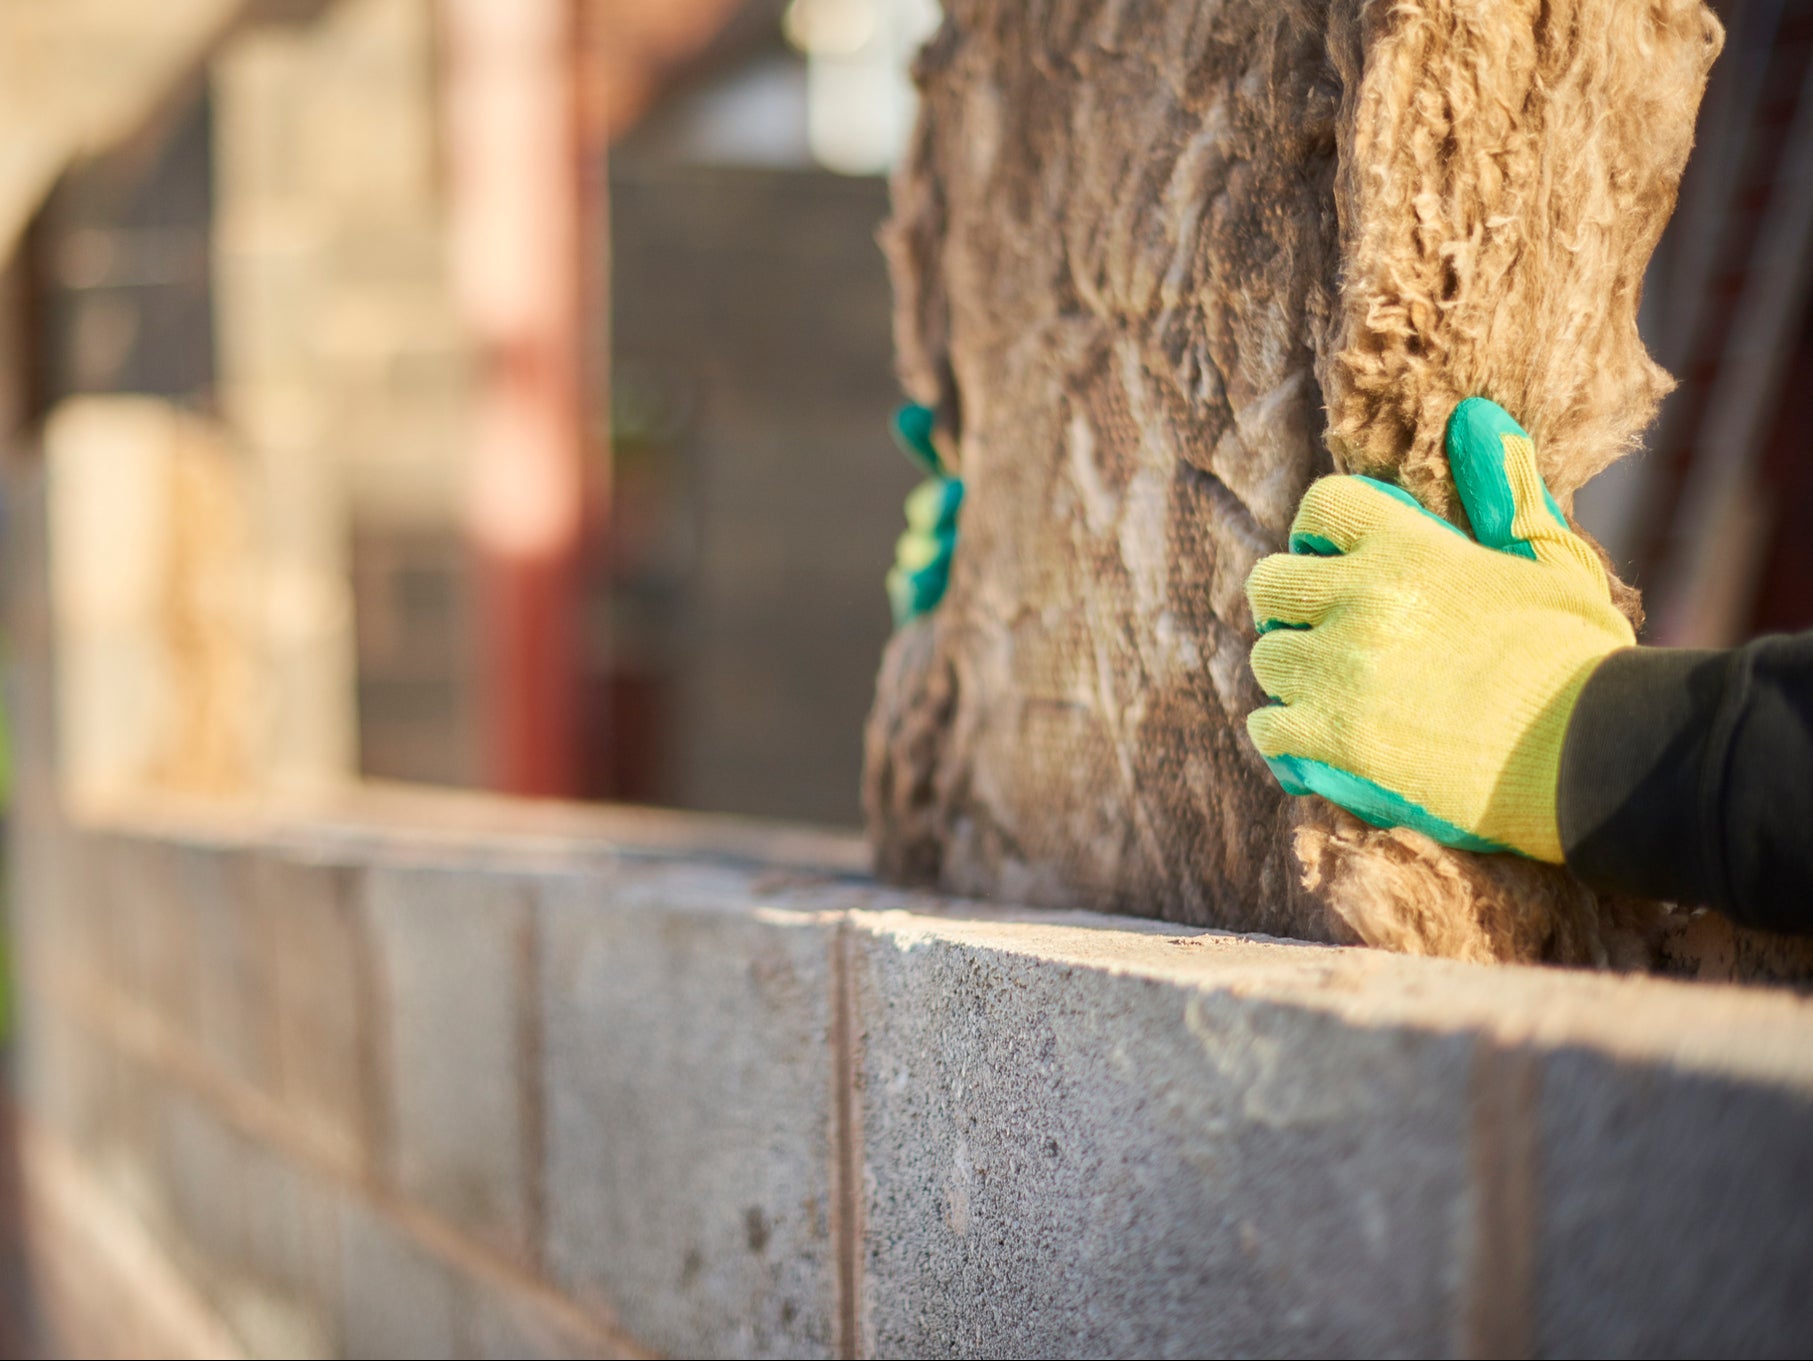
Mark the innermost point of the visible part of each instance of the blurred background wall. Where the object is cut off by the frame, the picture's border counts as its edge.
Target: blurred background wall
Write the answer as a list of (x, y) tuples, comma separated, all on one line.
[(1711, 518), (281, 251)]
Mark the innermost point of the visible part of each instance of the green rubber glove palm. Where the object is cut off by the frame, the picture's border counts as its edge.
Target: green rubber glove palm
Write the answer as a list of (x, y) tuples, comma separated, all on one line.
[(922, 557), (1422, 678)]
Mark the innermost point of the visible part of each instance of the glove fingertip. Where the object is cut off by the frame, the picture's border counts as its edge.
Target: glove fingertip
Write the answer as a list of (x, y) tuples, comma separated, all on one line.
[(1478, 425), (1481, 437), (933, 506), (916, 592), (1258, 726), (913, 428), (951, 504)]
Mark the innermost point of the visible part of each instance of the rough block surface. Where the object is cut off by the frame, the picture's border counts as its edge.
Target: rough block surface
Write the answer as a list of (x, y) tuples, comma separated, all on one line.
[(687, 1074), (1067, 1161), (1658, 1236)]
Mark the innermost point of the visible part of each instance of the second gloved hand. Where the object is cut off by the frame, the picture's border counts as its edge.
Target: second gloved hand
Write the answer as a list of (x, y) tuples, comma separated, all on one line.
[(1422, 678), (922, 557)]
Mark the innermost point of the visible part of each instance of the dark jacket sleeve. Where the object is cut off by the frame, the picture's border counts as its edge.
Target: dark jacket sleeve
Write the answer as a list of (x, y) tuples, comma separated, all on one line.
[(1689, 776)]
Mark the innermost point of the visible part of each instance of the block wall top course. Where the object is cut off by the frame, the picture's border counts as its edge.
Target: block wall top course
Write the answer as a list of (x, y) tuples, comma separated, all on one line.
[(376, 822), (749, 865)]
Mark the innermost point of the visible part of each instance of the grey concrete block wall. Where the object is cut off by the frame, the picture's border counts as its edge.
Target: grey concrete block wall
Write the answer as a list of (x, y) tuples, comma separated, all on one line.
[(540, 1089)]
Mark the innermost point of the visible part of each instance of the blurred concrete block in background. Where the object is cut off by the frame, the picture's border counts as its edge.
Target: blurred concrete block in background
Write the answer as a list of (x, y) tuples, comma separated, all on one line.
[(345, 369), (152, 563), (102, 1277), (452, 952)]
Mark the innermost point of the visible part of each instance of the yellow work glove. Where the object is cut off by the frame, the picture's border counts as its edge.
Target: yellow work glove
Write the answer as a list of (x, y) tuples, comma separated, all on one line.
[(1421, 678)]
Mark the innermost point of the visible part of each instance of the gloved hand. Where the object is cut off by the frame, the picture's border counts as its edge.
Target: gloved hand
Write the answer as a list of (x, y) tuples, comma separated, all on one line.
[(1420, 678), (922, 557)]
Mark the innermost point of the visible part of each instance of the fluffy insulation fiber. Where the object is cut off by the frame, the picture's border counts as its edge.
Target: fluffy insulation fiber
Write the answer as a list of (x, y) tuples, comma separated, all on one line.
[(1159, 264)]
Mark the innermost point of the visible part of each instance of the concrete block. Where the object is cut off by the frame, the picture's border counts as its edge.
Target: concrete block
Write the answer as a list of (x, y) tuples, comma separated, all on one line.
[(269, 280), (400, 1299), (255, 1231), (141, 932), (126, 1154), (1674, 1211), (453, 960), (395, 1299), (687, 1081), (45, 903), (64, 1077), (260, 106), (370, 129), (287, 1285), (99, 1284), (1066, 1159), (389, 280), (321, 1004), (173, 930), (203, 1183), (230, 1018), (512, 1328), (55, 895)]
